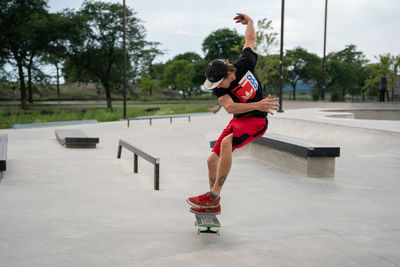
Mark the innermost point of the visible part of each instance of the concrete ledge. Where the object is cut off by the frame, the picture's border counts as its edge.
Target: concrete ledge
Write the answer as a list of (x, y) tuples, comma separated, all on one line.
[(297, 146), (3, 153), (306, 166), (75, 138), (294, 155)]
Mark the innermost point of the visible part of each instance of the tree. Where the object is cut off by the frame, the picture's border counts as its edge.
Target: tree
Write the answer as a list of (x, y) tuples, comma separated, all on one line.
[(194, 72), (18, 34), (302, 66), (152, 82), (221, 44), (54, 60), (60, 28), (178, 76), (345, 71), (147, 82), (192, 57), (98, 56), (373, 77), (42, 27), (389, 66), (197, 75), (266, 38), (267, 71)]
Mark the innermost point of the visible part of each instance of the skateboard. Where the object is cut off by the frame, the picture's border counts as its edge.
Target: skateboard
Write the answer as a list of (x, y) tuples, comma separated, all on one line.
[(209, 222)]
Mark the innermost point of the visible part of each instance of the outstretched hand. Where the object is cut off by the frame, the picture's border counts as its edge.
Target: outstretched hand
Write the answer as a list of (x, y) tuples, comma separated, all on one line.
[(268, 104), (242, 18)]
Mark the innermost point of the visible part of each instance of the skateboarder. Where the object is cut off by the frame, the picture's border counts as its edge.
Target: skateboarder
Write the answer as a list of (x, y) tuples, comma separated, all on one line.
[(239, 92)]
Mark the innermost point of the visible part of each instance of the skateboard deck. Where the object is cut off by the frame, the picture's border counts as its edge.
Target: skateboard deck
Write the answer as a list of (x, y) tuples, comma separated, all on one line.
[(206, 222)]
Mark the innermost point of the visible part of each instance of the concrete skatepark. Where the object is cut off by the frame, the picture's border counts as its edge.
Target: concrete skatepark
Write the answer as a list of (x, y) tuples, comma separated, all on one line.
[(84, 207)]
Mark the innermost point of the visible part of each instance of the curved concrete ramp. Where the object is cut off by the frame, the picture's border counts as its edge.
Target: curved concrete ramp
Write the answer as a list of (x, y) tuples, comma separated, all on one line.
[(350, 139), (366, 114)]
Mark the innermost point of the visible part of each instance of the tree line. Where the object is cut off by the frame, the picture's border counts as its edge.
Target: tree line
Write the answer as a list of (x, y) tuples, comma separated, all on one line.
[(87, 46), (84, 45)]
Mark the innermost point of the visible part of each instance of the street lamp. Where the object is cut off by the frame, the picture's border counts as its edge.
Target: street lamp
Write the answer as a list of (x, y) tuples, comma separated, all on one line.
[(281, 58), (324, 58), (124, 44)]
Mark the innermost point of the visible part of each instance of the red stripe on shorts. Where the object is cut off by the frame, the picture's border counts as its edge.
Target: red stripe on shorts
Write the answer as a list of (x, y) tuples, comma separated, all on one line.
[(244, 129)]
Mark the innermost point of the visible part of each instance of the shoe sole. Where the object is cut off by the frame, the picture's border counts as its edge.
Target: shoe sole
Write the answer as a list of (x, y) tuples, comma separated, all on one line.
[(199, 213), (200, 207)]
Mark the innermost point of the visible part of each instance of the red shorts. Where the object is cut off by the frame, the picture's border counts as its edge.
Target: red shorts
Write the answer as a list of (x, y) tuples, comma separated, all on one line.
[(244, 129)]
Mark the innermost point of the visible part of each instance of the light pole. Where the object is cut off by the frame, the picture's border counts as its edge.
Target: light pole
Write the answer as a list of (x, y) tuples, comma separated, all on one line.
[(324, 58), (281, 58), (124, 44)]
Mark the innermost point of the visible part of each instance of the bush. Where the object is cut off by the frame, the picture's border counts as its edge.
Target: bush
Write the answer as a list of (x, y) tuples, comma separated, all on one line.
[(316, 93), (336, 96)]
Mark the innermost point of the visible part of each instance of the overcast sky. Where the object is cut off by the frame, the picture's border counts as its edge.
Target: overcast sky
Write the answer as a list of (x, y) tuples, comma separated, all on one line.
[(182, 25)]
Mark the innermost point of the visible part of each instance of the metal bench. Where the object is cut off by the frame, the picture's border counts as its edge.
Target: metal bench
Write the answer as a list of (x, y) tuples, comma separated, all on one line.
[(138, 152), (3, 153), (150, 118), (293, 154), (75, 138)]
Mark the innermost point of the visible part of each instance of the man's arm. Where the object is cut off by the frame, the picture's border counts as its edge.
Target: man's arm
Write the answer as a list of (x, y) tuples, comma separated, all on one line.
[(267, 105), (250, 34)]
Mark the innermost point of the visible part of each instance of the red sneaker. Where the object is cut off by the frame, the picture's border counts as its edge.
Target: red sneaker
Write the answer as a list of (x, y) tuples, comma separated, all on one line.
[(203, 201), (213, 211)]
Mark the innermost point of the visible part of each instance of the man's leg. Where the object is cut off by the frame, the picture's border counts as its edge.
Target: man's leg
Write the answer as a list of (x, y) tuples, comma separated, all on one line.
[(212, 163), (209, 202), (224, 163)]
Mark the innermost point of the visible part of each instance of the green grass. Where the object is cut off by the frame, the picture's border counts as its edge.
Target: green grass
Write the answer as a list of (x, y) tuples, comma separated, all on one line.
[(11, 116)]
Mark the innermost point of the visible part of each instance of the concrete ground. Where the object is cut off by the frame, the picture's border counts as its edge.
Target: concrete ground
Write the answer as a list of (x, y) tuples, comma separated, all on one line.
[(85, 207)]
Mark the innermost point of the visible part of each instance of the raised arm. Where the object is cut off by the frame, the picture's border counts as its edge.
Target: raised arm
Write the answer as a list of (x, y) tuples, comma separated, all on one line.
[(250, 33)]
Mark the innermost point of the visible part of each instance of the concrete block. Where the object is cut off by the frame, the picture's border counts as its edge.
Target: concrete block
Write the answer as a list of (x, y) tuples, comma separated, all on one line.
[(321, 167), (310, 167)]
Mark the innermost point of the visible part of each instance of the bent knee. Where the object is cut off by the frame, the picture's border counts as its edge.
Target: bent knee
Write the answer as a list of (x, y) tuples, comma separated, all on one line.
[(227, 142)]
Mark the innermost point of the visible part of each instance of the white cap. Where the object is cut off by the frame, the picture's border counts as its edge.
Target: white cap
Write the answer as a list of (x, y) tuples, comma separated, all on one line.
[(210, 85)]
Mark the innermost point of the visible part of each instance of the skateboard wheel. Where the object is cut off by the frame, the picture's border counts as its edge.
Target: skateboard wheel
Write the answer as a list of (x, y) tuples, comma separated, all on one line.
[(218, 232), (198, 231)]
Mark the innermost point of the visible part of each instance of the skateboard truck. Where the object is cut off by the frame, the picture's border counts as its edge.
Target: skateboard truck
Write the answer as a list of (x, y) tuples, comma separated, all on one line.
[(207, 221)]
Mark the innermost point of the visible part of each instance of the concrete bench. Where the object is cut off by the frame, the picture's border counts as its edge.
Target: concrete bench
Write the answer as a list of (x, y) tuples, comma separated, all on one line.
[(75, 138), (138, 152), (295, 155), (3, 153), (150, 118)]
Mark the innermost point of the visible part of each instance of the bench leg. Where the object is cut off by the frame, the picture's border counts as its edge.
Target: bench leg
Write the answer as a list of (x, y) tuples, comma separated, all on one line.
[(119, 152), (135, 163), (150, 121), (189, 119), (1, 174), (170, 120), (157, 176)]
